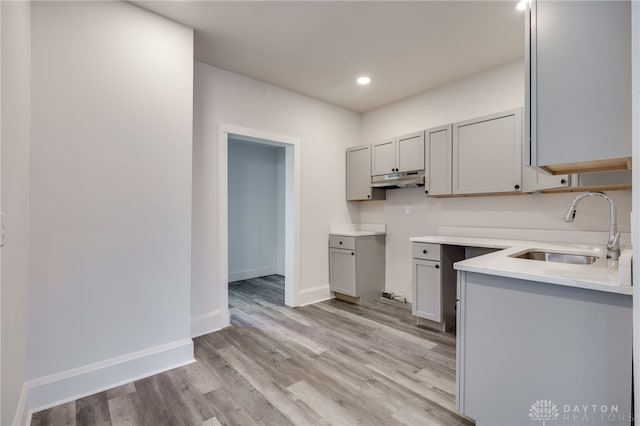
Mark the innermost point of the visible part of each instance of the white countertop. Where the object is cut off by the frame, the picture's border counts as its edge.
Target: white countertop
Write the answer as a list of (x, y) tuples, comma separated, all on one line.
[(346, 233), (599, 276), (358, 229)]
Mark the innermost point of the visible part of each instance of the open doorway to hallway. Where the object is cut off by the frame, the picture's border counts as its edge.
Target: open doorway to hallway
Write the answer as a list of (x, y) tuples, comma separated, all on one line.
[(291, 146), (256, 223)]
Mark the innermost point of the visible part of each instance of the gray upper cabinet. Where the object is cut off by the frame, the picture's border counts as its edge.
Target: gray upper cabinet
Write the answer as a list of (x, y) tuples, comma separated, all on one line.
[(438, 151), (410, 152), (487, 154), (401, 154), (359, 175), (383, 157), (544, 181), (595, 181), (534, 180), (578, 85)]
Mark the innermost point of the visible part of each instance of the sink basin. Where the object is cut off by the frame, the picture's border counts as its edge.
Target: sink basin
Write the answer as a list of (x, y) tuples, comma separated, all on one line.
[(545, 256)]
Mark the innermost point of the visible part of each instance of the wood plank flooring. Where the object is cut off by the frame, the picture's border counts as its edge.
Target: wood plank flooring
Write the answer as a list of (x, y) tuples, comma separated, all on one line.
[(328, 363)]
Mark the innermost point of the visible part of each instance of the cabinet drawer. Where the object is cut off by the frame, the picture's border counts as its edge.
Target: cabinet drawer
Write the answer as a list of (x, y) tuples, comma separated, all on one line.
[(338, 241), (425, 251)]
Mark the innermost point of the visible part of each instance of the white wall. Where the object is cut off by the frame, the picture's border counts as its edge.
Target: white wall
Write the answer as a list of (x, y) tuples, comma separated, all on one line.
[(325, 130), (16, 79), (495, 90), (110, 190), (255, 234)]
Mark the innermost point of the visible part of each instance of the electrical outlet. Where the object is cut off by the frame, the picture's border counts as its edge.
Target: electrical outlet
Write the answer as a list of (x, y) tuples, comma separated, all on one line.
[(407, 211)]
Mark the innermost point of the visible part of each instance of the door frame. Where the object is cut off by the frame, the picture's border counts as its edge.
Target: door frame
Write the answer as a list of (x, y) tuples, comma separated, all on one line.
[(635, 213), (292, 208)]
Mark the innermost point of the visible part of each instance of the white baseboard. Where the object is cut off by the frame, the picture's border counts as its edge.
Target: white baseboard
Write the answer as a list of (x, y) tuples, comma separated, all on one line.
[(280, 270), (247, 274), (60, 388), (314, 295), (208, 323)]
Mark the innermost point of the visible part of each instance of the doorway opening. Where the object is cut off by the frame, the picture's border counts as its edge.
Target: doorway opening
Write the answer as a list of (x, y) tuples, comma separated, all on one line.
[(286, 262), (256, 186)]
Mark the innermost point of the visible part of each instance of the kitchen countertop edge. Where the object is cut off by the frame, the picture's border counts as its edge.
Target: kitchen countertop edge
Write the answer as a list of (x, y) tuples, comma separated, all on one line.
[(357, 233), (597, 276)]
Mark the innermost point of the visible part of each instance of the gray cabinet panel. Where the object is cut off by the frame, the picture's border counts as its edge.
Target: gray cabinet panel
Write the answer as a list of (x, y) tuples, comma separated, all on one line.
[(401, 154), (410, 152), (426, 251), (342, 242), (342, 266), (579, 84), (438, 161), (360, 271), (359, 175), (522, 341), (433, 284), (427, 290), (487, 154), (544, 181), (383, 157)]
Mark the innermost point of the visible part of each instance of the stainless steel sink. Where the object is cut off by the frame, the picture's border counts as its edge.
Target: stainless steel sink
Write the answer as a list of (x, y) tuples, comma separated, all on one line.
[(545, 256)]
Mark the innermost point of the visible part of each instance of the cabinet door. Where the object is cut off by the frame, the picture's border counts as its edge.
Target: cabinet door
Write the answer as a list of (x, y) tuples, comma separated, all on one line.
[(410, 152), (427, 290), (383, 157), (579, 84), (359, 173), (342, 271), (544, 181), (487, 154), (438, 148)]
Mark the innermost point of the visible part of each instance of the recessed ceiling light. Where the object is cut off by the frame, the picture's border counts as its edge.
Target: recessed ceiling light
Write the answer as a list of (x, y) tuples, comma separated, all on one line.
[(363, 80), (522, 5)]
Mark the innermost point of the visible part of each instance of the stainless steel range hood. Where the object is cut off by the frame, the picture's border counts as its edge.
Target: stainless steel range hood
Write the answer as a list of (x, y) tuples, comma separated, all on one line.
[(399, 180)]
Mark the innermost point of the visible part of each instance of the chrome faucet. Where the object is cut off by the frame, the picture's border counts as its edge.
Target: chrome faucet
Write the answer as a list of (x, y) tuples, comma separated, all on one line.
[(613, 245)]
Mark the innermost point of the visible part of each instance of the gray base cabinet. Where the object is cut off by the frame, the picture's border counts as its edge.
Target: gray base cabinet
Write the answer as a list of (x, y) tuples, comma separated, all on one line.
[(357, 267), (343, 271), (434, 284), (521, 343), (427, 291)]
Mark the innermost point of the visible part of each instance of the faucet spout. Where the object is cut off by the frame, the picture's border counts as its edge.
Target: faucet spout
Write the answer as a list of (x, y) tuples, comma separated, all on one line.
[(613, 244)]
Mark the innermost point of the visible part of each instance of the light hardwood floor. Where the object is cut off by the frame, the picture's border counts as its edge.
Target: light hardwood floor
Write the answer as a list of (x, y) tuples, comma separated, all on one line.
[(328, 363)]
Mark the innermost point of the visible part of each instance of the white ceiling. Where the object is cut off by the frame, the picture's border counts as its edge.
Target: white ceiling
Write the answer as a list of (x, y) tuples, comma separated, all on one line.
[(318, 48)]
